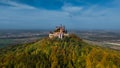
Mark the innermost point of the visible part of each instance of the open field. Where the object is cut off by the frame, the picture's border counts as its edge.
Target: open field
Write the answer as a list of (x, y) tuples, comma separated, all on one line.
[(109, 39), (13, 37)]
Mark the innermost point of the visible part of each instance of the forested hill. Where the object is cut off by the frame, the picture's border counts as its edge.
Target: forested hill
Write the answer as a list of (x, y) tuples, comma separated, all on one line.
[(70, 52)]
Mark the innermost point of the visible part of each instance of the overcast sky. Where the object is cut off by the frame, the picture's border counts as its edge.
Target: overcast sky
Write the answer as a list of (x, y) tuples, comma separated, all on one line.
[(74, 14)]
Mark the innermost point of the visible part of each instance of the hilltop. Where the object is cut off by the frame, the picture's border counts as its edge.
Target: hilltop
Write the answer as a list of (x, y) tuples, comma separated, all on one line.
[(69, 52)]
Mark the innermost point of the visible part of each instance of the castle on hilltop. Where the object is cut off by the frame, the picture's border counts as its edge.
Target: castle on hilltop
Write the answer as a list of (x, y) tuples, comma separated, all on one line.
[(59, 32)]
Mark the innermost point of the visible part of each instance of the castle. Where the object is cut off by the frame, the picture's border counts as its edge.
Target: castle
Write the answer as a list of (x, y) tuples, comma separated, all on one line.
[(59, 32)]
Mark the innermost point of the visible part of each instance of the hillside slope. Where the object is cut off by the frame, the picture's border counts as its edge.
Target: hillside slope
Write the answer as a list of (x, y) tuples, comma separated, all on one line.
[(69, 52)]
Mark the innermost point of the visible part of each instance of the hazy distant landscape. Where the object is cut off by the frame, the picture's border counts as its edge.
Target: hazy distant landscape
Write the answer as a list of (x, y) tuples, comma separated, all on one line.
[(15, 37), (103, 38)]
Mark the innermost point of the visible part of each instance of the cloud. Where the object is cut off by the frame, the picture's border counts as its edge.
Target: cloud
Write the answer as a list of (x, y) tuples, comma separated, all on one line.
[(72, 9), (36, 18), (17, 5)]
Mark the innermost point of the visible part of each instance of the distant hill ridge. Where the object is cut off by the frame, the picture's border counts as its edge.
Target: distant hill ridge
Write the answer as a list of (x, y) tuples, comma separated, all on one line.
[(69, 52)]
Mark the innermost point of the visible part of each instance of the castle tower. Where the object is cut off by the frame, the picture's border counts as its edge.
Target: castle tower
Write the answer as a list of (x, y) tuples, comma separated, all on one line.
[(59, 32)]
